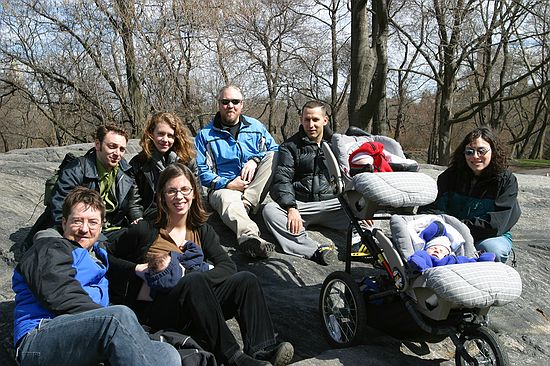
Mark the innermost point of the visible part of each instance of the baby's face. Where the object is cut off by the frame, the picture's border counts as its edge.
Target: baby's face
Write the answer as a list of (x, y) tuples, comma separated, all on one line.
[(438, 251)]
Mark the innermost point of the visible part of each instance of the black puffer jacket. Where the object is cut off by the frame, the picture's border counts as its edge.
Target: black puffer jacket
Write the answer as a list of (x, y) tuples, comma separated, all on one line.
[(76, 174), (301, 173), (143, 171)]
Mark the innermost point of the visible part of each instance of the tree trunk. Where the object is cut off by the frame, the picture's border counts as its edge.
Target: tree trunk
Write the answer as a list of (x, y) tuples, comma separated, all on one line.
[(378, 91), (137, 104), (444, 131), (363, 62), (369, 67)]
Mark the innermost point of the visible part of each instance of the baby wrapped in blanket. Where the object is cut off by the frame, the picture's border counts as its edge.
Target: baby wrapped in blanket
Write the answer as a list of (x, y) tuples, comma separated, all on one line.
[(440, 242)]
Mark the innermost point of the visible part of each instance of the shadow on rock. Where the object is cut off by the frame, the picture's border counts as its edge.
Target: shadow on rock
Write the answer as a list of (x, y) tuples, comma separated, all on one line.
[(7, 352)]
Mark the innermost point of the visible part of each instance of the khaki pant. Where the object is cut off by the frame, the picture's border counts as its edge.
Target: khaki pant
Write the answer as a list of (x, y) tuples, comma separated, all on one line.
[(229, 203)]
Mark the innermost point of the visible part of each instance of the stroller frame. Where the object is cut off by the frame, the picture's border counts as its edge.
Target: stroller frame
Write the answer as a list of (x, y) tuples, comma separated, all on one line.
[(342, 304)]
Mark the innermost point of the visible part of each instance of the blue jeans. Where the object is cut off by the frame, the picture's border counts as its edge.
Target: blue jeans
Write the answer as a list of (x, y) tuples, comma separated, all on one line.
[(500, 245), (111, 335)]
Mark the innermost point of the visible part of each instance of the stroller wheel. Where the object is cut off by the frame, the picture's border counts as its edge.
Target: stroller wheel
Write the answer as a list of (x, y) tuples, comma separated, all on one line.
[(483, 346), (343, 310)]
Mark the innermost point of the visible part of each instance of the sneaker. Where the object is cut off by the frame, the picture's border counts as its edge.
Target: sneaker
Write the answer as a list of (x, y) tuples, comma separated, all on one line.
[(256, 247), (324, 255), (278, 355)]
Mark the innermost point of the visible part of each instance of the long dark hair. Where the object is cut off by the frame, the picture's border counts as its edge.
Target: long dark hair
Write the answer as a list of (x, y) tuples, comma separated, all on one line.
[(197, 213), (499, 160)]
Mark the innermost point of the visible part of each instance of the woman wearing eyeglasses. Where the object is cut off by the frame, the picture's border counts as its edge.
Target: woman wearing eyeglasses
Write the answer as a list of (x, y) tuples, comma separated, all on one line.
[(200, 302), (479, 189), (165, 140)]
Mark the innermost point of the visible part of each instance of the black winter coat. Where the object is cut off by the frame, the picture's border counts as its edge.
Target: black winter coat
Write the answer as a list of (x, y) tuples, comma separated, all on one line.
[(145, 177), (301, 173), (76, 174), (131, 248), (487, 204)]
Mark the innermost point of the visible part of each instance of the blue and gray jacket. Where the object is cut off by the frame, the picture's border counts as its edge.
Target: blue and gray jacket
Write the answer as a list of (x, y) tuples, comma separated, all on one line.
[(220, 157), (57, 276)]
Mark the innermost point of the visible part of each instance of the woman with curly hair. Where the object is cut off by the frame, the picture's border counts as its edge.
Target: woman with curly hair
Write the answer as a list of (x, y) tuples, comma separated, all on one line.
[(478, 189), (166, 140)]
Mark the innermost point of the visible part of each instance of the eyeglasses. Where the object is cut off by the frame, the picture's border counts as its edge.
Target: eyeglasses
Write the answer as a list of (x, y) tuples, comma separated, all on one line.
[(185, 191), (78, 224), (232, 101), (481, 151)]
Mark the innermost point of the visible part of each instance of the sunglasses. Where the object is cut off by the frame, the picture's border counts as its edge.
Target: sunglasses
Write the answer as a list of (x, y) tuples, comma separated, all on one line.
[(481, 151), (232, 101)]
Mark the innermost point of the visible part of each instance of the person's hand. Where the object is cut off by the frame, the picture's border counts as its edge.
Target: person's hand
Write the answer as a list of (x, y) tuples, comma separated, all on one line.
[(141, 269), (369, 223), (238, 184), (295, 223), (248, 170)]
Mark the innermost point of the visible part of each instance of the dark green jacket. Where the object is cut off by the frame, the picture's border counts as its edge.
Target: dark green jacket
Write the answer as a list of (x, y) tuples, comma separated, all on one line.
[(488, 205)]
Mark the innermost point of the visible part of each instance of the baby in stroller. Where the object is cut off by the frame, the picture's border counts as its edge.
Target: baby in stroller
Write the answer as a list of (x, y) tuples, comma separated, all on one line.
[(438, 249), (443, 301)]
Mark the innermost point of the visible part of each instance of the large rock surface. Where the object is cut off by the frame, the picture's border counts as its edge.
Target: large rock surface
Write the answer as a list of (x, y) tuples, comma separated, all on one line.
[(292, 285)]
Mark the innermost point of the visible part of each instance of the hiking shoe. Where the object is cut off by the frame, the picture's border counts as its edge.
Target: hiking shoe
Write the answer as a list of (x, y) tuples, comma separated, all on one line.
[(324, 255), (279, 355), (256, 247)]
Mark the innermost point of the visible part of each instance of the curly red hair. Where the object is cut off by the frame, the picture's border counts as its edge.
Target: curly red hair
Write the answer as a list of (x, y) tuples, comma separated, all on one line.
[(184, 146)]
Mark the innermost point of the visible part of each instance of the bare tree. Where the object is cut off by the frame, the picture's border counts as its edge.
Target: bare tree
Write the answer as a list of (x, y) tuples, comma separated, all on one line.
[(326, 58), (265, 33), (368, 65), (465, 54)]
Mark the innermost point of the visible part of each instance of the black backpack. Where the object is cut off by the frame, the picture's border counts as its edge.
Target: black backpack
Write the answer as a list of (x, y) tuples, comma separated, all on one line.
[(50, 182), (191, 353)]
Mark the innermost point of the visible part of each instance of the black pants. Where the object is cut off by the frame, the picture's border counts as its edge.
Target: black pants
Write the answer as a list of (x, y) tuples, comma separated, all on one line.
[(196, 308)]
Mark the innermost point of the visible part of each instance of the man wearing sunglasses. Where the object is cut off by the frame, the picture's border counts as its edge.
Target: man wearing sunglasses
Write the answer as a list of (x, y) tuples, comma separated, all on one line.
[(235, 155)]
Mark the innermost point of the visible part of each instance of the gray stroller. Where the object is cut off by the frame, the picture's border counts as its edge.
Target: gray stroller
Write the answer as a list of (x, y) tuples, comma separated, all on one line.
[(447, 301)]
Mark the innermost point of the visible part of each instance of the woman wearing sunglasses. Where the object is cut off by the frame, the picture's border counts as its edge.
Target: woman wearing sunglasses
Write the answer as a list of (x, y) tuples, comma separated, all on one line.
[(165, 141), (479, 189)]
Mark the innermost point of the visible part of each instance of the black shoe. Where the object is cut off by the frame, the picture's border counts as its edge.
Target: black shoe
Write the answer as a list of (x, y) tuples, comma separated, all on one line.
[(245, 360), (324, 255), (279, 355), (256, 247)]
